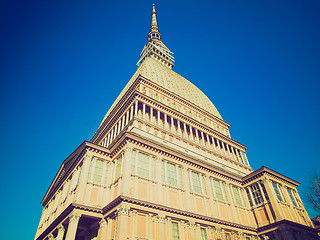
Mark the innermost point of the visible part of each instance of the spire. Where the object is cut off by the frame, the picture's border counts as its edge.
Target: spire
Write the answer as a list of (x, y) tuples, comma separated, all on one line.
[(154, 33), (154, 47)]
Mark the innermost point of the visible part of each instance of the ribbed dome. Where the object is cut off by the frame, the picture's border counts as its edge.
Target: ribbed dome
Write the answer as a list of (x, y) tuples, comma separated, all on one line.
[(172, 81)]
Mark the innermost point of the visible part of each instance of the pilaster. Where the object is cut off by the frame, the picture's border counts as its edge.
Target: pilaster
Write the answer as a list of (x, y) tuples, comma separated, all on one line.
[(83, 178), (122, 222), (160, 226), (102, 231), (73, 225), (61, 231)]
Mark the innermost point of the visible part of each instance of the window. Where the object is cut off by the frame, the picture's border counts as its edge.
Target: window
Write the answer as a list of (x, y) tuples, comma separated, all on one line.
[(171, 174), (118, 166), (293, 199), (197, 183), (203, 234), (218, 188), (98, 171), (237, 196), (143, 165), (175, 231), (256, 193), (277, 191), (249, 197)]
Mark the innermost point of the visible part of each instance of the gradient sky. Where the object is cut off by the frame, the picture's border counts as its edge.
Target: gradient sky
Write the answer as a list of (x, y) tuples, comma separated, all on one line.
[(63, 63)]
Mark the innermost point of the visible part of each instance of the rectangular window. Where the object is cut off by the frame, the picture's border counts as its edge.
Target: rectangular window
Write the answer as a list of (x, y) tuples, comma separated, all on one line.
[(292, 197), (143, 165), (118, 164), (203, 234), (175, 231), (264, 191), (277, 191), (97, 177), (256, 193), (98, 171), (218, 190), (196, 184), (249, 197), (237, 196), (171, 174)]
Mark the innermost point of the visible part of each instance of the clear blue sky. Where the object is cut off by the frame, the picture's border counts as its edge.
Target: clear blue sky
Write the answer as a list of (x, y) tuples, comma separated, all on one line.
[(63, 63)]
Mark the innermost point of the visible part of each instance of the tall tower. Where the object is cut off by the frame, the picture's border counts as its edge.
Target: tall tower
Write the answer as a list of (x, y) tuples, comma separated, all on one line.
[(162, 165)]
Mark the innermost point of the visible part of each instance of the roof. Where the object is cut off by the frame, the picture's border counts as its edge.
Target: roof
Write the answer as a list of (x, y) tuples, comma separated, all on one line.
[(172, 81)]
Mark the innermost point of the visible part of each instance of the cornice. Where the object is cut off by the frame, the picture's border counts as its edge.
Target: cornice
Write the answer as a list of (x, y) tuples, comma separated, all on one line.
[(69, 164), (183, 100), (285, 222), (165, 150), (182, 213), (141, 120), (264, 170)]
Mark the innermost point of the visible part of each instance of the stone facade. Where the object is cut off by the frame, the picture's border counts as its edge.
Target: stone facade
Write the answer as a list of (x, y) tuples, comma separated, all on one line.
[(162, 165)]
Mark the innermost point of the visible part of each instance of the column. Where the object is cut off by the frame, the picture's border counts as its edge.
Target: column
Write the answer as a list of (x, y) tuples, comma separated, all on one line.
[(181, 230), (131, 112), (61, 231), (119, 125), (198, 141), (219, 145), (202, 136), (144, 111), (149, 226), (191, 234), (186, 185), (151, 114), (179, 127), (83, 177), (103, 230), (158, 117), (208, 140), (213, 143), (233, 208), (198, 233), (73, 225), (273, 200), (169, 229), (234, 153), (191, 133), (160, 226), (134, 224), (165, 121), (122, 223), (210, 194), (209, 233), (136, 108), (159, 180), (127, 117), (123, 121), (108, 229), (185, 130), (126, 165)]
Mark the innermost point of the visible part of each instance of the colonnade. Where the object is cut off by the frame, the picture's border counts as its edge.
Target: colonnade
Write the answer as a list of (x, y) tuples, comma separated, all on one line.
[(176, 126)]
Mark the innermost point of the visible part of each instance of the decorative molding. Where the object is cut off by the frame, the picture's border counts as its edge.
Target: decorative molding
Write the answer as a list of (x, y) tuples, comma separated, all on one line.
[(191, 224), (123, 210), (74, 217), (161, 218), (61, 229), (102, 223), (50, 236)]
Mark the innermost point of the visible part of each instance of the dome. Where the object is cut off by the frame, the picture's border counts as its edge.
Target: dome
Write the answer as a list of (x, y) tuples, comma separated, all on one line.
[(172, 81)]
